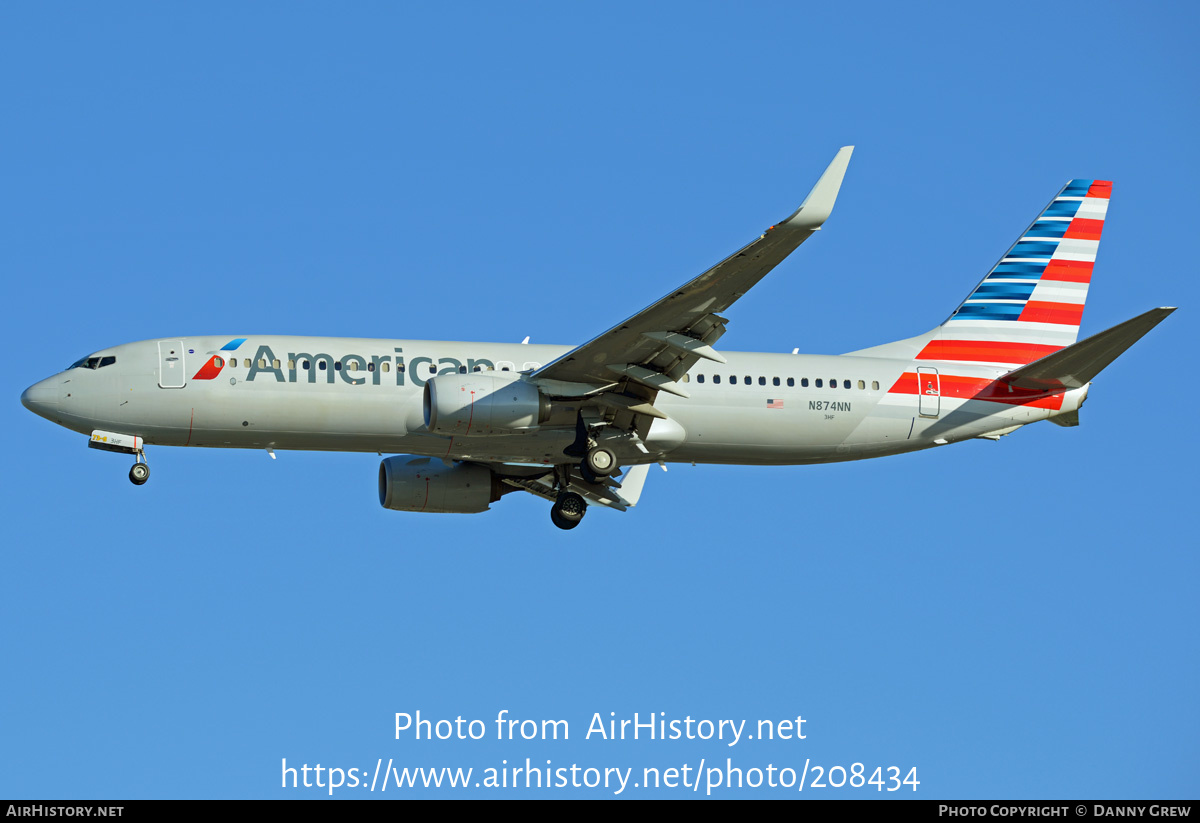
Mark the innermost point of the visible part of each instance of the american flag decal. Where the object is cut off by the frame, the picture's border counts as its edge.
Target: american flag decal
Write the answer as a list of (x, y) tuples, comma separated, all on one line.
[(774, 404)]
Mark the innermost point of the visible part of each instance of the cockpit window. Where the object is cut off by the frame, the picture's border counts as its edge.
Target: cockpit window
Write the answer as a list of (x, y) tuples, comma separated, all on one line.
[(93, 362)]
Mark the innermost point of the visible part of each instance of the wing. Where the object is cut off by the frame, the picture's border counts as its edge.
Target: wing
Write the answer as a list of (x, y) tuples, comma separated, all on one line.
[(627, 366), (621, 495)]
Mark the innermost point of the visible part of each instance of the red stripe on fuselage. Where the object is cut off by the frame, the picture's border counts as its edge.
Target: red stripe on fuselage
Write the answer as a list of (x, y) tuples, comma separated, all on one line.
[(980, 388), (984, 351)]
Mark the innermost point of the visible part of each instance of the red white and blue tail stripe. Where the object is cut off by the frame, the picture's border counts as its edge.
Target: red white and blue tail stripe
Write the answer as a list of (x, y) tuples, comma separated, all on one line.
[(1031, 303)]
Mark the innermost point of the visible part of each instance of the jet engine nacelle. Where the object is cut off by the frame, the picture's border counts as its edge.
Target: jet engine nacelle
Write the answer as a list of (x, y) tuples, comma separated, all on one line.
[(482, 404), (422, 484)]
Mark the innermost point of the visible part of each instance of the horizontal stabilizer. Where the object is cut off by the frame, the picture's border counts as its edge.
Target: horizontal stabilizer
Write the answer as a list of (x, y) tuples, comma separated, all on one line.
[(1078, 364)]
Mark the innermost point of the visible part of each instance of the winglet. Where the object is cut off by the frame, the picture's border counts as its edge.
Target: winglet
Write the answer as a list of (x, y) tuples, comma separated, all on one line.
[(817, 207)]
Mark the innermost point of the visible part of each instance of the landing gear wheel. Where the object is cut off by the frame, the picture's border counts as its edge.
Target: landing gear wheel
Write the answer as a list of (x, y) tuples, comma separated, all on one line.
[(557, 520), (601, 462), (139, 474), (568, 510)]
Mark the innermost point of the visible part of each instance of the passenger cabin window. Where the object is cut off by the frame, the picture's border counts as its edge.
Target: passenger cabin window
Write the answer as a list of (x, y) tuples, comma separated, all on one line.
[(819, 383), (716, 378), (846, 384), (862, 384), (386, 366), (699, 378), (774, 381), (803, 382), (791, 381), (875, 385)]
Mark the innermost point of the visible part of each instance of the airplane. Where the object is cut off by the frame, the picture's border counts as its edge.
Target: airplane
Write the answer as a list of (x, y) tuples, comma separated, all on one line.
[(581, 426)]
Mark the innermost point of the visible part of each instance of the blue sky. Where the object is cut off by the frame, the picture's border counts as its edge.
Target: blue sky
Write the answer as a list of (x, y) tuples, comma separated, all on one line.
[(1013, 619)]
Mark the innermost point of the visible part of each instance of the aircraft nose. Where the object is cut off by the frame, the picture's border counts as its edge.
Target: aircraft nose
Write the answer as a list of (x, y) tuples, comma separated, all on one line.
[(41, 398)]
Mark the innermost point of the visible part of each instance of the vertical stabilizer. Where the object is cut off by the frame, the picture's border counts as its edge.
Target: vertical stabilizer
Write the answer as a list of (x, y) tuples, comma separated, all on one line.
[(1031, 303)]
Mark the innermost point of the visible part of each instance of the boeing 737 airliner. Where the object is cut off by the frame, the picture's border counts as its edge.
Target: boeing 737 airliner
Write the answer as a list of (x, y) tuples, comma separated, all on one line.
[(582, 425)]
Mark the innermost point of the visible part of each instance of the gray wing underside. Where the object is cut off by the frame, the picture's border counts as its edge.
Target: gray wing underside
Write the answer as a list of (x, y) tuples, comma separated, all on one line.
[(630, 363), (622, 495)]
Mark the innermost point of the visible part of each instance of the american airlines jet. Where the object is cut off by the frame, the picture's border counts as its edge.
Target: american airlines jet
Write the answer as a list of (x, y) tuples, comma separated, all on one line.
[(581, 425)]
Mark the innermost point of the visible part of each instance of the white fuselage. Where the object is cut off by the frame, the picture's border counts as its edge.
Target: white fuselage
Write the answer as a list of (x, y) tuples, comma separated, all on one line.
[(350, 394)]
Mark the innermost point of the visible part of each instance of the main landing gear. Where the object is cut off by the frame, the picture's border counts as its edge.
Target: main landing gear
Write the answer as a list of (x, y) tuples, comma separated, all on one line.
[(569, 507), (598, 463), (568, 510), (140, 472)]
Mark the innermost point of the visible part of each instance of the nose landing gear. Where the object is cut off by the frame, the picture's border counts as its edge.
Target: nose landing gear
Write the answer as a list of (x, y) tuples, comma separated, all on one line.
[(124, 444), (140, 472)]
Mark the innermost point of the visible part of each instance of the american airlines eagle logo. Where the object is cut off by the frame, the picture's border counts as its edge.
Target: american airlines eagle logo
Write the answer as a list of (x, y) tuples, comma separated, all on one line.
[(212, 367)]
